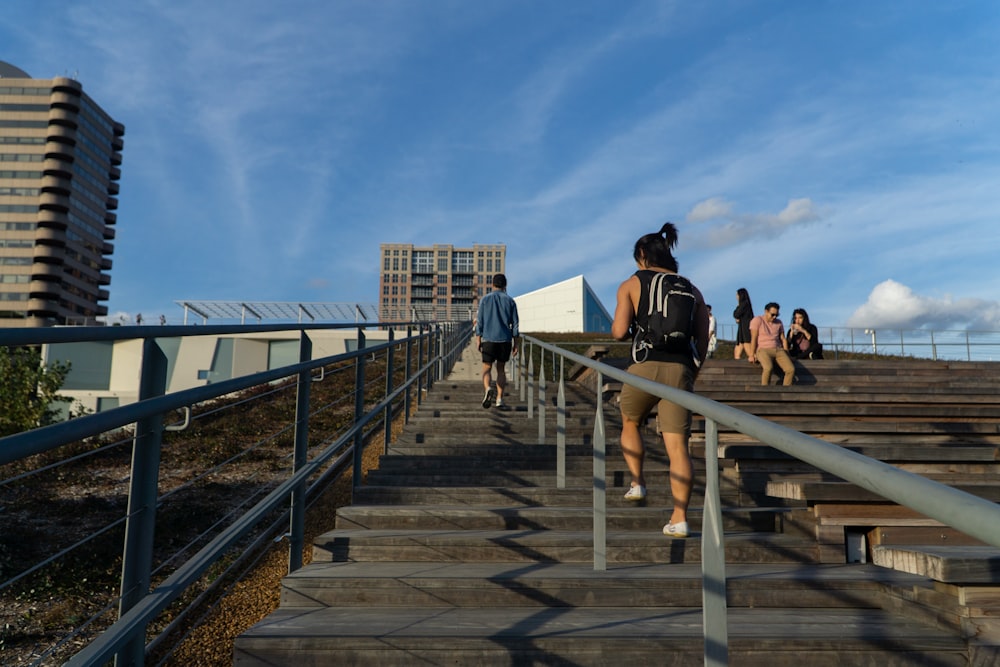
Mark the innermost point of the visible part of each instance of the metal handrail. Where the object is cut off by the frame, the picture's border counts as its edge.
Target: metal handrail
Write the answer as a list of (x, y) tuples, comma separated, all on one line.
[(937, 344), (970, 514), (126, 637)]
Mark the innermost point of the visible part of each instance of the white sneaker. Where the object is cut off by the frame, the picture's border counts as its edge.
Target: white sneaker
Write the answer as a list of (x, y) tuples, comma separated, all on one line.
[(500, 403), (637, 492), (488, 398), (676, 529)]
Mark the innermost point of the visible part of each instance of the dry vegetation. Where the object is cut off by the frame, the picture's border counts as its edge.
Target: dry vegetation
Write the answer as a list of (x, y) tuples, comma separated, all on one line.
[(44, 513)]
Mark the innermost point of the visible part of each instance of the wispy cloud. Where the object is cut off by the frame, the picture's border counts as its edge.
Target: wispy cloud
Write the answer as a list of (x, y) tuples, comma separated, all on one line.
[(733, 228)]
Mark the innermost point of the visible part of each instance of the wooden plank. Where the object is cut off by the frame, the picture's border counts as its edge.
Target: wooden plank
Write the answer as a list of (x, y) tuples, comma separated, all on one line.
[(985, 596), (869, 515), (894, 534), (819, 491), (959, 564)]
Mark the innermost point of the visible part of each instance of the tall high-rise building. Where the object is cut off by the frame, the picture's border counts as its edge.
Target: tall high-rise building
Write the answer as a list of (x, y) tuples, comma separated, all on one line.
[(436, 282), (59, 170)]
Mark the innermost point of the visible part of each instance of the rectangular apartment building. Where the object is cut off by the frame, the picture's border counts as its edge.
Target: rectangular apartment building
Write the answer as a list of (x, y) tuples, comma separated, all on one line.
[(438, 282), (60, 157)]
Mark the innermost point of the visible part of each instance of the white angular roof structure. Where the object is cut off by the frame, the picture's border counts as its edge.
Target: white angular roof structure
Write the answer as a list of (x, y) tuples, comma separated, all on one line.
[(568, 306)]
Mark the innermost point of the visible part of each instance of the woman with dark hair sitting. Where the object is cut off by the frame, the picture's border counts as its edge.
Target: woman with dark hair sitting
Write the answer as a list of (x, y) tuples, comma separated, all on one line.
[(803, 337)]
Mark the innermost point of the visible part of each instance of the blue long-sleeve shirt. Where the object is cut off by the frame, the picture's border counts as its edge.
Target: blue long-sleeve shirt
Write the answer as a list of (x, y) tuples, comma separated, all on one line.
[(496, 320)]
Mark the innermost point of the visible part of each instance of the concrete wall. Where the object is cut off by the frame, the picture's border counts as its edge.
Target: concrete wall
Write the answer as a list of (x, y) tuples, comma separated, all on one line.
[(191, 361), (567, 306)]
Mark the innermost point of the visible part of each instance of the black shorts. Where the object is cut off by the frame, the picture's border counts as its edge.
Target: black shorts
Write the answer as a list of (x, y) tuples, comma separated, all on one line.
[(496, 351)]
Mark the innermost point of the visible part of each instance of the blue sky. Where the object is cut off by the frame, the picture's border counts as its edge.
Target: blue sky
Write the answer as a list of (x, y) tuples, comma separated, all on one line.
[(838, 156)]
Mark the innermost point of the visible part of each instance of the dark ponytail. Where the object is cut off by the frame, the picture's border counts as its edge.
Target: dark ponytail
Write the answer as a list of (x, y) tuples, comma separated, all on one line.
[(656, 248)]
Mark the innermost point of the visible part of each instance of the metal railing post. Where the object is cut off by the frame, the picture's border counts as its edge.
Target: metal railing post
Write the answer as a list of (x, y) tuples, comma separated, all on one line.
[(389, 365), (408, 364), (359, 409), (441, 352), (525, 367), (297, 515), (420, 366), (516, 367), (140, 525), (600, 486), (713, 558), (531, 387), (561, 427), (541, 399)]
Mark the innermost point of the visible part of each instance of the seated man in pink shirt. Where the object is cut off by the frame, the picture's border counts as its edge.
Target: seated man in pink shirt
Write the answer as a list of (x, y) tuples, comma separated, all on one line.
[(769, 345)]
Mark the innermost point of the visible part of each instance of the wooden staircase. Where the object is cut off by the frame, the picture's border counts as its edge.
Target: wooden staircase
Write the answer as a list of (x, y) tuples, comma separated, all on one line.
[(460, 550)]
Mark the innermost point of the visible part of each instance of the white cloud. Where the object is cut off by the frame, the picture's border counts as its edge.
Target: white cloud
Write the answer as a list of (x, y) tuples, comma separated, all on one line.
[(710, 209), (894, 305), (733, 228)]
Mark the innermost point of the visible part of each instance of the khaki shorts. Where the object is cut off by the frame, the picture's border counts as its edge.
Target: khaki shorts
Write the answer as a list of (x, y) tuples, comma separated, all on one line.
[(636, 405)]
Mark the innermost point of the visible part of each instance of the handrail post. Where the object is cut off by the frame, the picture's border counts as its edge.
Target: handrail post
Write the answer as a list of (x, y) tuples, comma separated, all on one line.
[(297, 512), (600, 486), (531, 387), (441, 352), (516, 367), (140, 524), (407, 366), (713, 557), (561, 427), (525, 368), (389, 365), (420, 366), (541, 398), (359, 409)]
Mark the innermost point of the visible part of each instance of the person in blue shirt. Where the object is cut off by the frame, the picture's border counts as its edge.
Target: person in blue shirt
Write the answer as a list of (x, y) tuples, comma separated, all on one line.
[(496, 338)]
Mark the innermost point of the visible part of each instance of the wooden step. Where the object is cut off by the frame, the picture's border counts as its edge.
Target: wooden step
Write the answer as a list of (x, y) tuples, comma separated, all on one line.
[(596, 636), (771, 585), (554, 546), (945, 563), (504, 517)]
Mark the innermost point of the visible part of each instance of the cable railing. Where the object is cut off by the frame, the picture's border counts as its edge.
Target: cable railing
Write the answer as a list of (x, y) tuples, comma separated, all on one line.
[(406, 368), (970, 514), (939, 344)]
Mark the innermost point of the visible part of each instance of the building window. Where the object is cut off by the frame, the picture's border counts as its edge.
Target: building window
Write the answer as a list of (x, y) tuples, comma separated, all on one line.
[(422, 261)]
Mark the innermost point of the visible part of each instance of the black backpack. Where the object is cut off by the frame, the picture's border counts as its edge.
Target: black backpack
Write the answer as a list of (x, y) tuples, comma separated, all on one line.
[(668, 304)]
